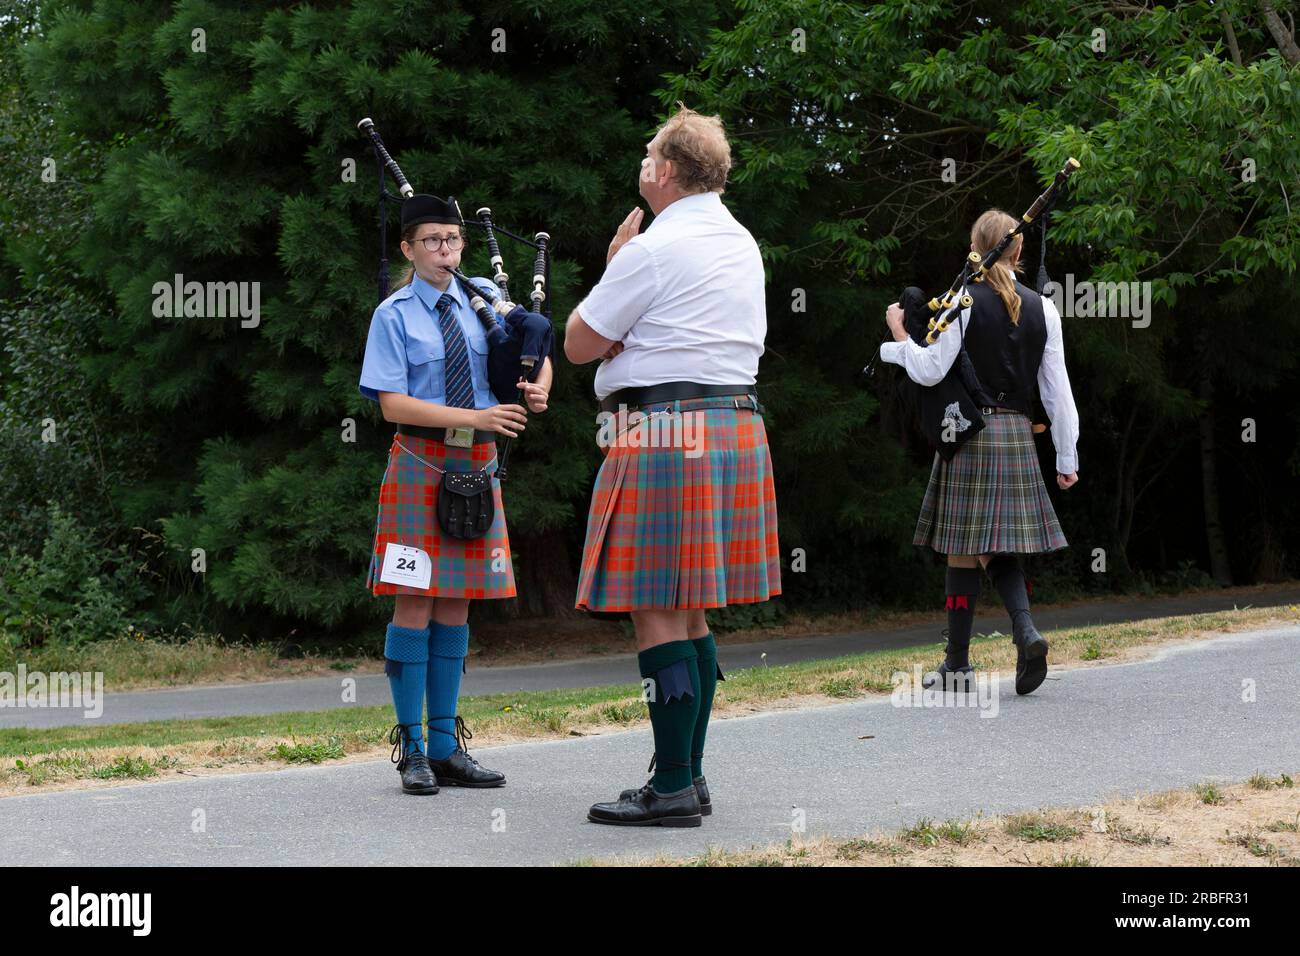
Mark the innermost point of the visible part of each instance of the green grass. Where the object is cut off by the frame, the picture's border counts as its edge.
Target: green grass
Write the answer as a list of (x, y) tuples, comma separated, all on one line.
[(926, 832), (309, 753), (1037, 828), (131, 768), (527, 713), (128, 662), (1254, 845), (959, 832), (921, 833), (1261, 781), (1208, 793)]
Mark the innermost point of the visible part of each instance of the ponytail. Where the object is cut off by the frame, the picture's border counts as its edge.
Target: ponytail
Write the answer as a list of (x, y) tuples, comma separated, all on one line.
[(984, 235), (408, 274)]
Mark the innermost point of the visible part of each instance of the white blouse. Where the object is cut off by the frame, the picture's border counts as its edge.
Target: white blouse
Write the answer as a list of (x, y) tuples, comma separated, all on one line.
[(927, 365)]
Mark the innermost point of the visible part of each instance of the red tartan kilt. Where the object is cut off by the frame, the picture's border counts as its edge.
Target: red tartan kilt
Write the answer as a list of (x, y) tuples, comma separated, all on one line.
[(408, 515), (671, 529)]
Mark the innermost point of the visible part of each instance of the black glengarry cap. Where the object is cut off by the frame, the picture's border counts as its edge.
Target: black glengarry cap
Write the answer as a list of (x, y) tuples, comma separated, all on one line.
[(425, 208)]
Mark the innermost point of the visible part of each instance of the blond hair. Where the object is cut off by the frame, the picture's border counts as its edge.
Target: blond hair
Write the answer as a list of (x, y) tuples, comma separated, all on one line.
[(984, 235), (697, 146)]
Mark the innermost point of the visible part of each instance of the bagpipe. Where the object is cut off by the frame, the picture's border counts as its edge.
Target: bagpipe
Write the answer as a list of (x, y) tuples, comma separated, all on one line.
[(948, 411), (519, 340)]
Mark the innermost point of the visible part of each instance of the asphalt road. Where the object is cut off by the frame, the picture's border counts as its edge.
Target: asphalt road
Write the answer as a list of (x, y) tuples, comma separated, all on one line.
[(1086, 736), (270, 697)]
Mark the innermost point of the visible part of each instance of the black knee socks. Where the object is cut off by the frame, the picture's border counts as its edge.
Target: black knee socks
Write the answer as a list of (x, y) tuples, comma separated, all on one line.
[(962, 588), (1009, 578)]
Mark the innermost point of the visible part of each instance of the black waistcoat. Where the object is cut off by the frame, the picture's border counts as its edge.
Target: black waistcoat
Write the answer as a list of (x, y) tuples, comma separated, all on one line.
[(1006, 356)]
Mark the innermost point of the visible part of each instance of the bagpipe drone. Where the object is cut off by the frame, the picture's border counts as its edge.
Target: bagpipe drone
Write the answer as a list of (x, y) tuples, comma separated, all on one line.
[(519, 340), (948, 411)]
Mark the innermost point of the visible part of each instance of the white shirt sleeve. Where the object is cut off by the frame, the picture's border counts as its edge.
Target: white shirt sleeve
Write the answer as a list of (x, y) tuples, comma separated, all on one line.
[(1058, 399), (927, 364), (624, 292)]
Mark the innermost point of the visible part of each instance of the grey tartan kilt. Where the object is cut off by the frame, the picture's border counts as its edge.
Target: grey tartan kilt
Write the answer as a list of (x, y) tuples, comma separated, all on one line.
[(990, 498)]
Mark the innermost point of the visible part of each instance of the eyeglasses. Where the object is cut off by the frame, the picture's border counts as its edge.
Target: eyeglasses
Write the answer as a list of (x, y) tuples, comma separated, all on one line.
[(432, 243)]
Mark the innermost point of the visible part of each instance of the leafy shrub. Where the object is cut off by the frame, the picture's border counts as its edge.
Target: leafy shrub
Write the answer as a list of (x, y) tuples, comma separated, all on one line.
[(75, 591)]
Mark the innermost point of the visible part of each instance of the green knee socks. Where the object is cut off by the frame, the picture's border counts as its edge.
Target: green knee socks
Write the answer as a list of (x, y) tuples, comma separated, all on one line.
[(706, 650), (671, 683)]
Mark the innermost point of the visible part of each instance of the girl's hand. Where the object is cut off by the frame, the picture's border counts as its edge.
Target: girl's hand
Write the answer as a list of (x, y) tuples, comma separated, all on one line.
[(534, 395), (501, 418), (894, 319)]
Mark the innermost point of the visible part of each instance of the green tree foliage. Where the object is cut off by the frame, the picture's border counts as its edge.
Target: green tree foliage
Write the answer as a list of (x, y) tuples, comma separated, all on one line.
[(60, 436), (233, 127), (73, 592), (216, 140), (849, 114)]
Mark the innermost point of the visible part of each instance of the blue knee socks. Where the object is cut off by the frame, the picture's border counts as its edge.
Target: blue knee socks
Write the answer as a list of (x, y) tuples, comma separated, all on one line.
[(447, 645), (406, 652)]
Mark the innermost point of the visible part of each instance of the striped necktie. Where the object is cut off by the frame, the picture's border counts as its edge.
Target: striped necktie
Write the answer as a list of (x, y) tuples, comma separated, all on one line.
[(460, 387)]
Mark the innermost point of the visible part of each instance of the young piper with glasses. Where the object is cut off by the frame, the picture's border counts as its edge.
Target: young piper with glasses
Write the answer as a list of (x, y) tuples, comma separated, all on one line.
[(426, 366)]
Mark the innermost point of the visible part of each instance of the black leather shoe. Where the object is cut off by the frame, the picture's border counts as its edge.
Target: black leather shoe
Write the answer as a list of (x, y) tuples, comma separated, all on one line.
[(701, 793), (949, 678), (706, 805), (417, 777), (1031, 656), (459, 769), (649, 808)]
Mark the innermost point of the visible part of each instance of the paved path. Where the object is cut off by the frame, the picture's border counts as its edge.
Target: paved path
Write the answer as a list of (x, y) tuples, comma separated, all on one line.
[(324, 693), (1087, 735)]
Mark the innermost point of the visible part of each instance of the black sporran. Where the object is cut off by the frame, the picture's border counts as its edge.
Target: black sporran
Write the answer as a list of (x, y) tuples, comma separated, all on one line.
[(466, 506)]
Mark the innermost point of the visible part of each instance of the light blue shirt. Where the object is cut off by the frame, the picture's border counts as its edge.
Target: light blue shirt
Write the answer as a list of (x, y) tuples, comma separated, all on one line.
[(404, 350)]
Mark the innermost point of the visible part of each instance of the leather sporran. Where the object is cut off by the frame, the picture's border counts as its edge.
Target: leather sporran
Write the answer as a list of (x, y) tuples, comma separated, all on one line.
[(466, 505)]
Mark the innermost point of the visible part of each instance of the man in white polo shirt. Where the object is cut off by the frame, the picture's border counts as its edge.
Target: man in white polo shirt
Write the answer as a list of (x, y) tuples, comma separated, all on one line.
[(683, 514)]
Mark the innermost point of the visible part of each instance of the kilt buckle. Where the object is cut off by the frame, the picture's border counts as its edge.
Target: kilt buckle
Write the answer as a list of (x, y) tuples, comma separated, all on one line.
[(460, 437)]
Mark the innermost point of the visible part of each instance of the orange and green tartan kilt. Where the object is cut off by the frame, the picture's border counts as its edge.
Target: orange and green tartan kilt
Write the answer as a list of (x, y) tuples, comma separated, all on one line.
[(408, 515), (683, 524)]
